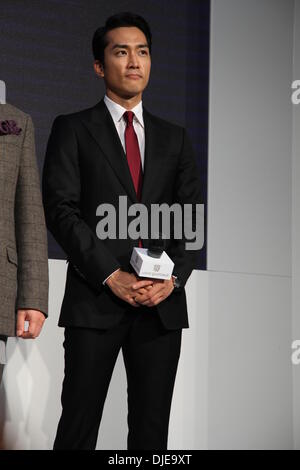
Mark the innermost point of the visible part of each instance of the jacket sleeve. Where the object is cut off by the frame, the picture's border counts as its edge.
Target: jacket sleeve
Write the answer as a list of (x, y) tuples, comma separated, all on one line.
[(61, 197), (184, 251), (31, 233)]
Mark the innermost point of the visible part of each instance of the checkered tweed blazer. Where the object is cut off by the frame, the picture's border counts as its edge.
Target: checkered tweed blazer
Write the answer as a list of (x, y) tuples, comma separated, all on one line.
[(23, 236)]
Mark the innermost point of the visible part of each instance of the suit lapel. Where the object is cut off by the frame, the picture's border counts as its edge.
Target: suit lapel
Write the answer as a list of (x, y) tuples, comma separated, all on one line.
[(102, 129), (152, 157)]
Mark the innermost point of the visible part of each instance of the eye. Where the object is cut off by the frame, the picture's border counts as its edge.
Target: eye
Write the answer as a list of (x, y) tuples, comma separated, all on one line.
[(122, 52), (144, 52)]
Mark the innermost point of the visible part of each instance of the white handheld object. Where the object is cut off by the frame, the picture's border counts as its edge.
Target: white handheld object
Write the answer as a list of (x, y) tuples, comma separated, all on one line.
[(148, 266)]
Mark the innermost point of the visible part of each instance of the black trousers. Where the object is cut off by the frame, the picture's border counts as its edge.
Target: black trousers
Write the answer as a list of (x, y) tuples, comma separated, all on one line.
[(151, 355)]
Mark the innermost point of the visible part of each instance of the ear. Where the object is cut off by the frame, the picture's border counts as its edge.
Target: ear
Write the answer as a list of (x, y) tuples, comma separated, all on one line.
[(99, 69)]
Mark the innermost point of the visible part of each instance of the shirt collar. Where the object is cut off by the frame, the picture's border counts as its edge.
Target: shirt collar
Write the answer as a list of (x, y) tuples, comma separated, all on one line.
[(117, 111)]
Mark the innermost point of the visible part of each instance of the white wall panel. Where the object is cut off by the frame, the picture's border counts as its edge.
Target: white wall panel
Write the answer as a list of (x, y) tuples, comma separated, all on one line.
[(250, 379), (250, 136)]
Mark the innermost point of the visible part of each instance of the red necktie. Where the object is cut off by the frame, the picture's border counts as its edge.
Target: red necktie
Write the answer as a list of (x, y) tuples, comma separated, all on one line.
[(133, 156)]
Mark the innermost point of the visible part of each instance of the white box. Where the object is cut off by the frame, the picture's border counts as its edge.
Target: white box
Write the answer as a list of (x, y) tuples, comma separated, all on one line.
[(148, 266)]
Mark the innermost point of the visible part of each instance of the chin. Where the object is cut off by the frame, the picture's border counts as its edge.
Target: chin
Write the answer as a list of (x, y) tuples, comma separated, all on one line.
[(131, 93), (134, 88)]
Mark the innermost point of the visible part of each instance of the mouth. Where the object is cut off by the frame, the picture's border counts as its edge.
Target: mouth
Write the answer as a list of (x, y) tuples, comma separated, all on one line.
[(133, 76)]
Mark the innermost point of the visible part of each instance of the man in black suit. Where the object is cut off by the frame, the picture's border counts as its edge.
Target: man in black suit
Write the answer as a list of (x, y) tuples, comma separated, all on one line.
[(117, 148)]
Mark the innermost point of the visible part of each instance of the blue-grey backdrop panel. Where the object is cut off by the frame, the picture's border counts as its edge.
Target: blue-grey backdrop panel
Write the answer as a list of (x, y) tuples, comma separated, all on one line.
[(47, 64)]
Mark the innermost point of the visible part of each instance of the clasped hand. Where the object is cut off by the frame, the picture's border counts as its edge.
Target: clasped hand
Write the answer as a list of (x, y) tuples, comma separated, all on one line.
[(139, 291)]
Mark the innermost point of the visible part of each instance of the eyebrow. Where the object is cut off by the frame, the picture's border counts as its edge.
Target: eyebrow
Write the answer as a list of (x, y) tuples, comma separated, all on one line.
[(125, 46)]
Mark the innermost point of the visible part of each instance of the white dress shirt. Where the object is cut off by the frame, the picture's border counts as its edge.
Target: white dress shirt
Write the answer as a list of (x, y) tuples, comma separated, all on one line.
[(117, 113)]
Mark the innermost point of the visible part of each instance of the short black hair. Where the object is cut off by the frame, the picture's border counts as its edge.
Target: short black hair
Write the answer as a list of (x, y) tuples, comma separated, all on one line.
[(117, 21)]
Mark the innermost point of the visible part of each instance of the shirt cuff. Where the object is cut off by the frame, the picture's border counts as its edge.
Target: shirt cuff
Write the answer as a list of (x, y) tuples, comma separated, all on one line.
[(110, 276)]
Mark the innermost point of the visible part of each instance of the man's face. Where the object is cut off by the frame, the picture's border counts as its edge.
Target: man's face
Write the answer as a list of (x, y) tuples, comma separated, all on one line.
[(127, 62)]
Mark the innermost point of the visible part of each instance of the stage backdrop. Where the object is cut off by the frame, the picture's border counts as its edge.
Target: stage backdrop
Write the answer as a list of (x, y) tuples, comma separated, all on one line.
[(47, 64)]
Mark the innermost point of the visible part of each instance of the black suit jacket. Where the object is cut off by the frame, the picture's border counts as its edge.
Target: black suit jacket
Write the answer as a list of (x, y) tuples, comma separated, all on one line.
[(86, 166)]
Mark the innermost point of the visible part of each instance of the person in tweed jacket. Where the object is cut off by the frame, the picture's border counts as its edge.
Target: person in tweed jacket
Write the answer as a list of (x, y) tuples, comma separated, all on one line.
[(23, 236)]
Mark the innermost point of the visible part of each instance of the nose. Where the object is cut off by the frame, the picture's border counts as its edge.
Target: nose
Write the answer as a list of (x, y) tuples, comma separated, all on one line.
[(133, 60)]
